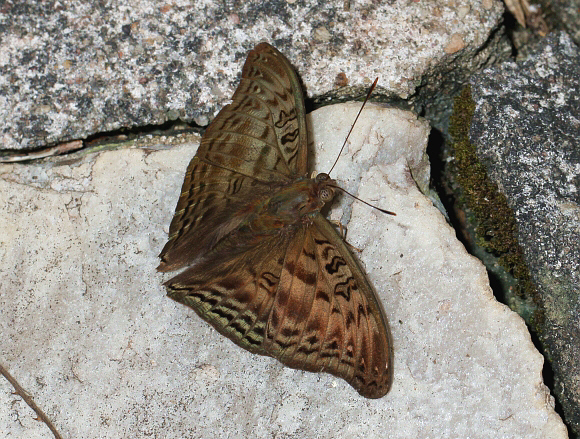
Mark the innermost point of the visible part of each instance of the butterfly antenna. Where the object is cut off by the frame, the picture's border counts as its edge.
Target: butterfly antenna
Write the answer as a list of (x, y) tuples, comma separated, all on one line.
[(353, 124), (363, 201)]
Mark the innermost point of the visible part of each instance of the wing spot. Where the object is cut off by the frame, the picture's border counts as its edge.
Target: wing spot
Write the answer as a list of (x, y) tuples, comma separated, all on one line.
[(289, 137), (334, 266), (312, 339), (237, 327), (361, 312), (311, 256), (283, 345), (222, 312), (247, 319), (270, 279), (289, 332), (343, 289), (250, 338), (333, 345), (307, 351), (259, 330), (285, 117), (320, 294), (349, 319)]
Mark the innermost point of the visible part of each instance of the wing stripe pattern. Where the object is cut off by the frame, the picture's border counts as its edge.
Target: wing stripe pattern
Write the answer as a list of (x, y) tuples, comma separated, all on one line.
[(236, 298), (264, 123), (366, 350), (203, 203), (259, 141), (323, 318), (277, 302)]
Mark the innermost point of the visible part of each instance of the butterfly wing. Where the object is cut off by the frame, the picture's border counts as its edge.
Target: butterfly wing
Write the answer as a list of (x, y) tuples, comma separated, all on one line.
[(262, 133), (326, 316), (299, 297), (235, 294), (256, 143)]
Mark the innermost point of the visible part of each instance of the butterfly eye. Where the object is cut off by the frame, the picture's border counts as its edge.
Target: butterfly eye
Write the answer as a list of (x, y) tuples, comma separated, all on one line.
[(326, 194), (322, 177)]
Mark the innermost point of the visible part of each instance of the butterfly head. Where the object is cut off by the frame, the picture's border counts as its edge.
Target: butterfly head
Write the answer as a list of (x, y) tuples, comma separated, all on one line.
[(325, 187)]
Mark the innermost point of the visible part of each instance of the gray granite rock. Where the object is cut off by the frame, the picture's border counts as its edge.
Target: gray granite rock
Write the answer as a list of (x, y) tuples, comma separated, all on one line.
[(565, 15), (527, 130), (72, 69), (88, 331)]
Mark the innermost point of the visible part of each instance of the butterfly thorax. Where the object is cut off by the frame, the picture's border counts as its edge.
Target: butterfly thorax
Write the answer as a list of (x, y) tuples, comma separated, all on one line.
[(290, 205)]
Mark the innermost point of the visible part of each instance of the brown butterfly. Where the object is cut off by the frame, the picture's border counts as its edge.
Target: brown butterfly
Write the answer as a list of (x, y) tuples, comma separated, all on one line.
[(265, 268)]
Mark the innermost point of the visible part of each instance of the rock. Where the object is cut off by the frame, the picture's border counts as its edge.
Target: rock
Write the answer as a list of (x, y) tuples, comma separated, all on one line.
[(117, 66), (89, 333), (526, 128)]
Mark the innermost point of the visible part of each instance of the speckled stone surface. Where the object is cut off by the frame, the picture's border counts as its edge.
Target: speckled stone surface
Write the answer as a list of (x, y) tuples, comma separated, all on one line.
[(71, 69), (527, 130)]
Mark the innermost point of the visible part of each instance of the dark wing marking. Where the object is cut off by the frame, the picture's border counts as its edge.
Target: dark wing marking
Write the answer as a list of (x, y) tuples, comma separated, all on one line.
[(234, 292)]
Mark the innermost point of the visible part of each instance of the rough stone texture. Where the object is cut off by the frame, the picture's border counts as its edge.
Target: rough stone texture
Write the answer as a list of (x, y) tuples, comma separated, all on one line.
[(565, 14), (527, 130), (88, 331), (70, 69)]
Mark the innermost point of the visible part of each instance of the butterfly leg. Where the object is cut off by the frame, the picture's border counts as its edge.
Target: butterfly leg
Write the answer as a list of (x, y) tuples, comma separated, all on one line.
[(342, 230)]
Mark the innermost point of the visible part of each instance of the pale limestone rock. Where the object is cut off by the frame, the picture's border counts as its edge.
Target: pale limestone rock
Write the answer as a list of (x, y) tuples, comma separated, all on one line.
[(88, 331)]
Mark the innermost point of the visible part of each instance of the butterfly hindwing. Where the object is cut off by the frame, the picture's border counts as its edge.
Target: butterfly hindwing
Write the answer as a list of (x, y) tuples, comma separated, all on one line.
[(235, 294)]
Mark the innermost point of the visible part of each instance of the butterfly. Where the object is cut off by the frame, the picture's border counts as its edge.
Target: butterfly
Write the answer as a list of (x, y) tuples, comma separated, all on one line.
[(264, 267)]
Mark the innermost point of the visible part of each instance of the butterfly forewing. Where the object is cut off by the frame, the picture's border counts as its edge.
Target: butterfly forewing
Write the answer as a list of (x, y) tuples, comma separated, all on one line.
[(204, 211), (272, 74), (326, 317), (256, 141), (295, 292), (262, 133), (362, 334)]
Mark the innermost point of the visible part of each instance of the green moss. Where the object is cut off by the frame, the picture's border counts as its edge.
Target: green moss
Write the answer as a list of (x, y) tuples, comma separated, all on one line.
[(494, 221)]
